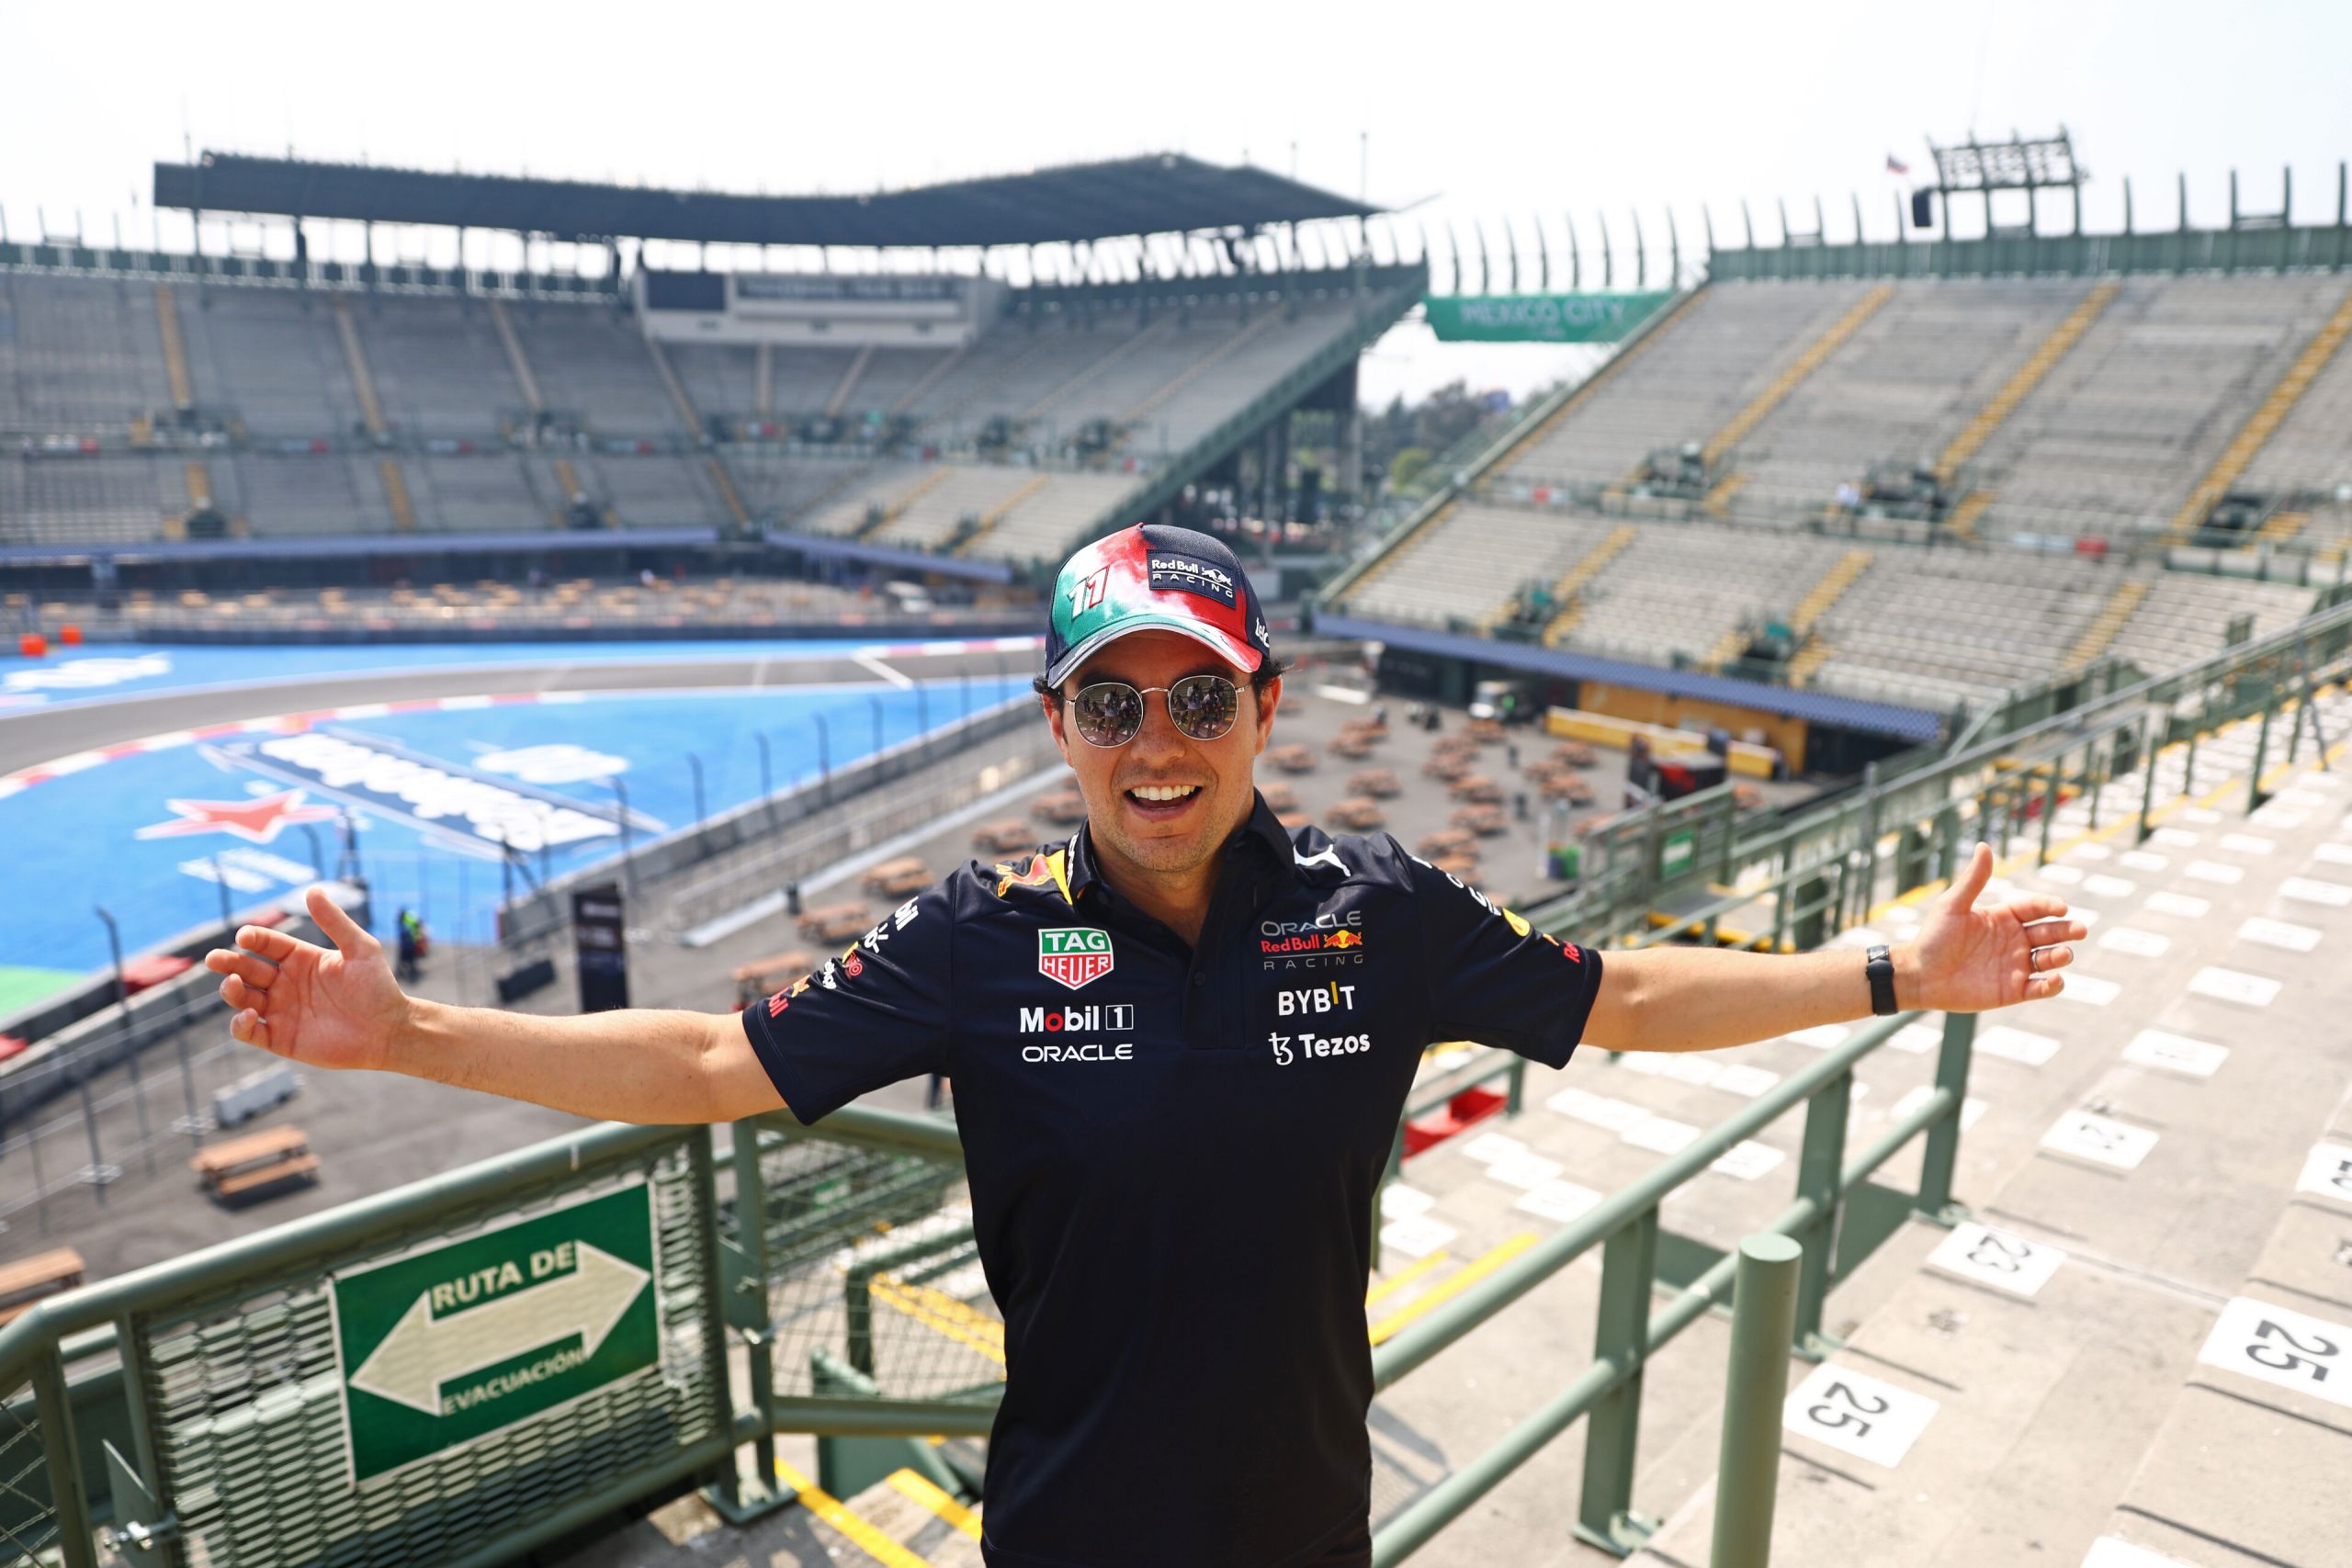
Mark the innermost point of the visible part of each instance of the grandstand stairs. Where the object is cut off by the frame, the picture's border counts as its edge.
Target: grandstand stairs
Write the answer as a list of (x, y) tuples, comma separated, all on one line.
[(932, 376), (763, 379), (2264, 422), (997, 513), (1962, 519), (1816, 355), (371, 411), (1842, 574), (1197, 368), (521, 362), (2028, 376), (897, 508), (721, 480), (2282, 527), (1143, 337), (176, 364), (847, 387), (1564, 593), (2105, 625)]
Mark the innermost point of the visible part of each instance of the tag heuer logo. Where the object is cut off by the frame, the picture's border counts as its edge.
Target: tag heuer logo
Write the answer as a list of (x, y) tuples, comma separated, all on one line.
[(1074, 955)]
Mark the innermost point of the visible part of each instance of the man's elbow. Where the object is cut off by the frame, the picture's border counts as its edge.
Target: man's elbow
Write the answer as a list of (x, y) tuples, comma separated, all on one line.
[(733, 1083)]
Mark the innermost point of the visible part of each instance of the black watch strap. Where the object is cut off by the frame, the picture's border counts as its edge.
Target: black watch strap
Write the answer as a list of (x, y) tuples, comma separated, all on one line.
[(1880, 967)]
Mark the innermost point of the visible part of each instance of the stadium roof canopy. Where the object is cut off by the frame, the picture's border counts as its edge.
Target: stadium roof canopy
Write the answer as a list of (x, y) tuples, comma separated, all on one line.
[(1165, 193)]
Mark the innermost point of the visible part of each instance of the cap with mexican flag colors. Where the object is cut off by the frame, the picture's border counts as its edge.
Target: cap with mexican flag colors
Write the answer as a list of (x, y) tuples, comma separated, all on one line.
[(1154, 577)]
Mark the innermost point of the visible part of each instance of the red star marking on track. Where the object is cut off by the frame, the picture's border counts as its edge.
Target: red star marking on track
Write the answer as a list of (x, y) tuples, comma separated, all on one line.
[(256, 822)]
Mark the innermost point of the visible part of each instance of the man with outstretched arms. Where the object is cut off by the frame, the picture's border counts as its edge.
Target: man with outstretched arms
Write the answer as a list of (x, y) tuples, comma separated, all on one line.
[(1180, 1042)]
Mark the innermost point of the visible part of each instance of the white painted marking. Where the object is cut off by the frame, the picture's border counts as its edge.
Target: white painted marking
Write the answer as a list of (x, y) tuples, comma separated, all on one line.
[(1743, 1080), (1598, 1110), (2005, 1262), (2335, 855), (1558, 1200), (2092, 852), (1661, 1135), (2143, 860), (1488, 1147), (2312, 890), (2015, 1045), (2204, 816), (2246, 843), (2176, 1053), (1685, 1067), (2283, 1348), (1857, 1414), (2178, 837), (1918, 1039), (904, 681), (2186, 906), (1399, 1201), (2214, 871), (1416, 1236), (2089, 989), (2280, 934), (2066, 875), (1972, 1110), (2085, 1135), (2235, 986), (2327, 1170), (2269, 816), (1524, 1171), (1747, 1159), (2109, 1552), (1821, 1037), (2132, 941), (2109, 887)]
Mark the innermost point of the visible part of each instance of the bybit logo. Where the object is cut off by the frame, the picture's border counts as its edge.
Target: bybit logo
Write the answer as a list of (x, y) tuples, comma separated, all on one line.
[(1314, 998)]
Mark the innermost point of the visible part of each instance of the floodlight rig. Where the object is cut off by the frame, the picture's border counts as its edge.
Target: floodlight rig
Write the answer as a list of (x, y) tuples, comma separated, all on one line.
[(1983, 167)]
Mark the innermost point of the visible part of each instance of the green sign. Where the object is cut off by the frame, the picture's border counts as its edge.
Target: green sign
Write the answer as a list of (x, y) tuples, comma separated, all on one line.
[(447, 1346), (1538, 318), (1674, 853)]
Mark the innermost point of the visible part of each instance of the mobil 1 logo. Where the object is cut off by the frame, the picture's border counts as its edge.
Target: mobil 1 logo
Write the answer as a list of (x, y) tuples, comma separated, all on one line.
[(454, 1343)]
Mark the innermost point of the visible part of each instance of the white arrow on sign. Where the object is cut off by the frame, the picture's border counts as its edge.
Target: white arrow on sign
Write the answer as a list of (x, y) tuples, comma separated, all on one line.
[(423, 1351)]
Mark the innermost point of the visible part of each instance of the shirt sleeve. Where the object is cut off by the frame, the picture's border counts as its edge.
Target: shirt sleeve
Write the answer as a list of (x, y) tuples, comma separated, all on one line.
[(875, 1014), (1493, 977)]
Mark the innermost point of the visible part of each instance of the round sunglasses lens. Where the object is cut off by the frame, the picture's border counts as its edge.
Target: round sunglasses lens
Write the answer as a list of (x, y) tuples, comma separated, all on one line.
[(1110, 714), (1204, 706)]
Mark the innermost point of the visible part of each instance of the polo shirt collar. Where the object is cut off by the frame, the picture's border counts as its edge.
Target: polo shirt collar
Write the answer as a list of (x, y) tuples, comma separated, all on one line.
[(1260, 833)]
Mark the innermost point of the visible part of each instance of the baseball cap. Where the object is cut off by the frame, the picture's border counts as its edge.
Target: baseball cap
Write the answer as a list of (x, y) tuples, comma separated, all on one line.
[(1155, 576)]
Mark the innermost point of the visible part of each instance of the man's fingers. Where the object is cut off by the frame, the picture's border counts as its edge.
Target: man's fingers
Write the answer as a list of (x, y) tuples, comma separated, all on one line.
[(2048, 958), (244, 965), (274, 945), (2035, 906), (1971, 881), (248, 1028), (2046, 934), (338, 927), (2041, 987)]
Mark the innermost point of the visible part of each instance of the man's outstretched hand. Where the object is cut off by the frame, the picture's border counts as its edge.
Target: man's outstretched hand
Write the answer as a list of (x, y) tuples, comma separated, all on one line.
[(322, 1007), (1968, 959)]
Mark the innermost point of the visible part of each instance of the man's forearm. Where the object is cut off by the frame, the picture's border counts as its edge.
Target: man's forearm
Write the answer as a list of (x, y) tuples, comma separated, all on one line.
[(1703, 998), (636, 1065)]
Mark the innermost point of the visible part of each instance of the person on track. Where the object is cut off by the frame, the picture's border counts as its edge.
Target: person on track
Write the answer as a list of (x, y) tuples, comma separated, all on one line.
[(1180, 1042)]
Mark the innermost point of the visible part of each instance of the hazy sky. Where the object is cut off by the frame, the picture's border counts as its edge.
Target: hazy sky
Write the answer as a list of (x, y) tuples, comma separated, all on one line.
[(1490, 111)]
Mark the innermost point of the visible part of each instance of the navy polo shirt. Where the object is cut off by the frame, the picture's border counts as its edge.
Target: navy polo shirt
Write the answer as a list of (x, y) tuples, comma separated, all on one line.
[(1172, 1154)]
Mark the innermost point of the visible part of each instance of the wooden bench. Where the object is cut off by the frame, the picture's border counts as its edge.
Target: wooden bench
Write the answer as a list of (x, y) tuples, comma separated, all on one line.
[(897, 878), (834, 922), (25, 1282), (764, 976), (243, 1165)]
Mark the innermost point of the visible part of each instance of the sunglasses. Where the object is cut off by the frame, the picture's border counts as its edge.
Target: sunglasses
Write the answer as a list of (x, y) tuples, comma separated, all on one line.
[(1110, 713)]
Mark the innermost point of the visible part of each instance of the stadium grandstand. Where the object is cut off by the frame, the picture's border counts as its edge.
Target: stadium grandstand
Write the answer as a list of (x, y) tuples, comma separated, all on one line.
[(192, 408), (1841, 558)]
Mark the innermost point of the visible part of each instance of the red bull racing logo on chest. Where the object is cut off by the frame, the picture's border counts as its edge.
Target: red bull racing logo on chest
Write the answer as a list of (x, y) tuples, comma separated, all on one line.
[(1073, 955)]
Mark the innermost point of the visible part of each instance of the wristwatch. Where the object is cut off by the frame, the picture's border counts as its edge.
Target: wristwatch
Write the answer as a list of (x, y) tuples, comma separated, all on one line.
[(1880, 970)]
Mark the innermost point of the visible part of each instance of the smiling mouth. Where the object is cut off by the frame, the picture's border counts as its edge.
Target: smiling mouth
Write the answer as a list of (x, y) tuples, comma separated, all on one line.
[(1161, 800)]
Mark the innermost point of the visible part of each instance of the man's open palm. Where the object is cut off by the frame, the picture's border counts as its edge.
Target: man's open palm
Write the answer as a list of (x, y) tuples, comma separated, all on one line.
[(1971, 959), (331, 1007)]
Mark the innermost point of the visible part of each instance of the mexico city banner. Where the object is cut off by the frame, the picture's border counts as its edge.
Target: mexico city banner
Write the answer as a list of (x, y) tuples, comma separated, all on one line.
[(1538, 317)]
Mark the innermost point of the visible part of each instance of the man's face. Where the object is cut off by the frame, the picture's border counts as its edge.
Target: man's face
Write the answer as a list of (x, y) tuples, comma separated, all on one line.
[(1215, 776)]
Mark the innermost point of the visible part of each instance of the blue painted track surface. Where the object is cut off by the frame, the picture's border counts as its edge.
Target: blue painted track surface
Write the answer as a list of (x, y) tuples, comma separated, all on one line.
[(430, 792), (104, 673)]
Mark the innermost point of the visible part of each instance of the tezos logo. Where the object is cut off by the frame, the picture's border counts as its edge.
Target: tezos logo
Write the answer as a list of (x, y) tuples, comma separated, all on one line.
[(1073, 955), (1190, 576), (1317, 1045)]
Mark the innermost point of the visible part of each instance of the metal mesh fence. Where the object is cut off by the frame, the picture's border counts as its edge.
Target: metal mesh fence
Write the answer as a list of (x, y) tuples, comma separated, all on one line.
[(27, 1515), (870, 1265), (244, 1402)]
